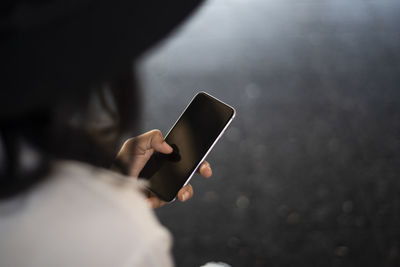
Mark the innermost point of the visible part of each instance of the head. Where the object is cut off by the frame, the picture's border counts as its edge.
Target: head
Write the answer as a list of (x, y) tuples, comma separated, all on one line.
[(69, 91)]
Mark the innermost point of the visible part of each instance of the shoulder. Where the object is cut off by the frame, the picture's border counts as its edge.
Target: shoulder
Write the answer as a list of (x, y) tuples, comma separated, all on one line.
[(88, 216)]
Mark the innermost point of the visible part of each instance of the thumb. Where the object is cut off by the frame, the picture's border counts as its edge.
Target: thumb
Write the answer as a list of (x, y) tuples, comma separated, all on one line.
[(155, 140)]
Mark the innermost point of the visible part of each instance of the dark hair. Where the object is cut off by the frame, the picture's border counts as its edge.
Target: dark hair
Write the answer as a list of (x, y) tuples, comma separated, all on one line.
[(57, 61), (15, 173), (87, 127)]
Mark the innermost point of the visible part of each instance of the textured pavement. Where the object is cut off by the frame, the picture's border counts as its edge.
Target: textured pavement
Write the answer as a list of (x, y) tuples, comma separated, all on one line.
[(309, 172)]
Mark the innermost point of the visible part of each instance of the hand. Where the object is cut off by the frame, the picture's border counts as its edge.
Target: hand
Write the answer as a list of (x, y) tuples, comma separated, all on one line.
[(136, 151)]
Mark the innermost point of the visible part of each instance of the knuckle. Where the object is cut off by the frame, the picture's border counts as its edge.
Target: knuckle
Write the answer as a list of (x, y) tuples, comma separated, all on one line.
[(128, 143), (190, 188), (155, 132)]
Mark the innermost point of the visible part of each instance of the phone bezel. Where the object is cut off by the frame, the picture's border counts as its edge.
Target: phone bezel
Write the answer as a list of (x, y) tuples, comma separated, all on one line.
[(211, 147)]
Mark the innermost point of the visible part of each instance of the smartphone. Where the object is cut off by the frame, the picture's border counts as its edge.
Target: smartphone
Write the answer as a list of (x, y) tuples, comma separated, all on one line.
[(192, 137)]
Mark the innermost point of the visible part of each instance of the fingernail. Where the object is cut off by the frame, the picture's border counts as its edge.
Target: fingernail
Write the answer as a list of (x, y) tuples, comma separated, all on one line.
[(185, 196)]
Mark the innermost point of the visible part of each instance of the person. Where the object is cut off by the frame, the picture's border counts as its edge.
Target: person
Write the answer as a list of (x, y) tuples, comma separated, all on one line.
[(68, 194)]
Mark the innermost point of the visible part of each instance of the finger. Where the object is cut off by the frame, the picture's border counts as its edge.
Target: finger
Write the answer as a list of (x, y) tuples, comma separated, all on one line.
[(205, 170), (185, 193), (154, 140), (155, 202)]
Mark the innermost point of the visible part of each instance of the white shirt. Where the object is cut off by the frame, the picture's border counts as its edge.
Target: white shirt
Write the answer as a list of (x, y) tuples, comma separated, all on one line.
[(82, 216)]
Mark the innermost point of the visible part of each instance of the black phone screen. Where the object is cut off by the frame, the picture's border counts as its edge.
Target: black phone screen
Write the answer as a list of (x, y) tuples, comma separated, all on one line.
[(192, 137)]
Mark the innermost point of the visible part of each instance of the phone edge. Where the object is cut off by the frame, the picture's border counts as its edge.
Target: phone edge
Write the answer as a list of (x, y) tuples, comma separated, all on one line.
[(213, 144)]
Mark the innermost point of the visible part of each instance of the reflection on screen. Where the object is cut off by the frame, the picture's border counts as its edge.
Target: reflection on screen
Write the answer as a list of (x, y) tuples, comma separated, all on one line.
[(191, 138)]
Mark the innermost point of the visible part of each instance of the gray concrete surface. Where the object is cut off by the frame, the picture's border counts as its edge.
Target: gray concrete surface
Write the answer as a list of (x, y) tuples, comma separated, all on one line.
[(308, 174)]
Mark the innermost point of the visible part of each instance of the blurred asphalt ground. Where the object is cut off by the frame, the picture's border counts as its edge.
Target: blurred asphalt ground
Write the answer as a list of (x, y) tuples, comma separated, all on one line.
[(308, 173)]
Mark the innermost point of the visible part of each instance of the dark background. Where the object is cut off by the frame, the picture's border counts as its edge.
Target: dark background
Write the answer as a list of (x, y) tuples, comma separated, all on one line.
[(308, 173)]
